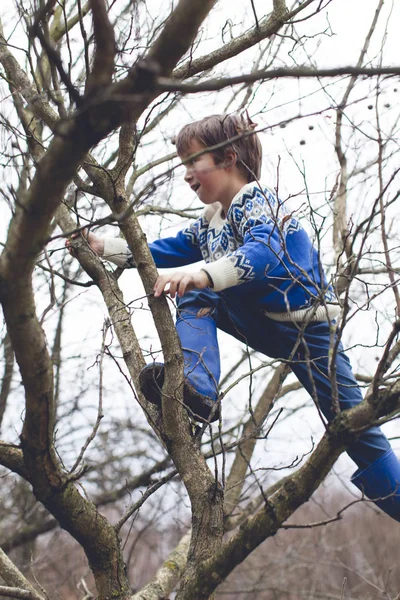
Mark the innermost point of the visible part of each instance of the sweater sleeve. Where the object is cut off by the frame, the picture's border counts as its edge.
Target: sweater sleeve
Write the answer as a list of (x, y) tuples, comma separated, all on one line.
[(260, 223), (183, 249)]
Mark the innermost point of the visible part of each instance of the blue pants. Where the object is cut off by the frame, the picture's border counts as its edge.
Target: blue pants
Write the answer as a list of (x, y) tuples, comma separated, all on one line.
[(237, 315)]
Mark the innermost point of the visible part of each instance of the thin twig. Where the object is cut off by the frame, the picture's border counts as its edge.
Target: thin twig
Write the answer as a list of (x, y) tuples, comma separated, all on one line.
[(135, 507), (100, 414)]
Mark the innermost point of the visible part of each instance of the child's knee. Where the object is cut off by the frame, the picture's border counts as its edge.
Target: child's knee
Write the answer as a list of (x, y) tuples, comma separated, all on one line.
[(197, 301)]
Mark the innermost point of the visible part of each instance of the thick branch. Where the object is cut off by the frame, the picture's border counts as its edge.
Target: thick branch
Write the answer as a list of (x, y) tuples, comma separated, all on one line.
[(12, 458), (181, 27), (103, 63), (204, 493), (32, 531), (126, 150)]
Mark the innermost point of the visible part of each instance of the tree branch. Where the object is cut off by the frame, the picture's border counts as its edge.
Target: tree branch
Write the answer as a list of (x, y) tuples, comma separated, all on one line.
[(7, 376), (171, 85), (57, 31), (182, 27), (14, 592), (103, 62), (289, 494), (11, 457), (341, 235), (168, 574), (244, 452), (267, 27), (14, 578)]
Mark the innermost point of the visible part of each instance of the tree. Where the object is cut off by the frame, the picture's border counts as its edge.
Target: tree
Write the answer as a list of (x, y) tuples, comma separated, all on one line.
[(92, 91)]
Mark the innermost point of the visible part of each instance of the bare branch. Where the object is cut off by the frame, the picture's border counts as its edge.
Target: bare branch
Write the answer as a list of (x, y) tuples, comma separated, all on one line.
[(250, 431), (100, 413), (341, 236), (7, 376), (14, 592), (57, 30), (267, 27), (170, 85), (103, 63), (11, 457), (182, 27), (280, 7), (168, 574), (14, 578)]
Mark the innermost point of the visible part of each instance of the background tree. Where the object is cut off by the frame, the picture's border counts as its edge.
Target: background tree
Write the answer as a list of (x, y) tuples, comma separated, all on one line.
[(92, 95)]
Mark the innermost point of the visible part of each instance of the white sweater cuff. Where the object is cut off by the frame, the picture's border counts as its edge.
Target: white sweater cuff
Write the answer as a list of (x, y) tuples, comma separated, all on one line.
[(116, 250), (223, 274)]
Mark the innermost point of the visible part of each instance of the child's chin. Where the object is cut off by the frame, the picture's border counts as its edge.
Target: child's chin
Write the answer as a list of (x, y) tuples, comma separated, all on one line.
[(205, 199)]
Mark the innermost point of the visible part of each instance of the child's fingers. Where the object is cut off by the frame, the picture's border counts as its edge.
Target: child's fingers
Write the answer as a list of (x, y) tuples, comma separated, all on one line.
[(173, 286), (74, 236), (69, 247), (179, 283), (83, 232), (160, 285), (185, 284)]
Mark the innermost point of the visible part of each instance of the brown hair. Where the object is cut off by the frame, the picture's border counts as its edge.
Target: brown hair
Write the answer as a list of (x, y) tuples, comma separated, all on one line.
[(218, 129)]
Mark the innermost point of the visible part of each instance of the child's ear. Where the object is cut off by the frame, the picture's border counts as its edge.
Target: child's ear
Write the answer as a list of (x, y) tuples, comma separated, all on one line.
[(230, 158)]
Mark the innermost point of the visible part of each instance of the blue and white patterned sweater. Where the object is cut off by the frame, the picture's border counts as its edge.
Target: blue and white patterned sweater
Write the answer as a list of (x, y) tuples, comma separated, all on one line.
[(259, 244)]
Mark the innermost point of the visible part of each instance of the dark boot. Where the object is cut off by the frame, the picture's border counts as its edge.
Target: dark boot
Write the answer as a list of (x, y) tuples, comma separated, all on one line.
[(198, 337), (380, 482)]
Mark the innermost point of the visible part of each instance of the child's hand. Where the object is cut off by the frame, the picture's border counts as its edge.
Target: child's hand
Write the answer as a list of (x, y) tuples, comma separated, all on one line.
[(95, 242), (181, 282)]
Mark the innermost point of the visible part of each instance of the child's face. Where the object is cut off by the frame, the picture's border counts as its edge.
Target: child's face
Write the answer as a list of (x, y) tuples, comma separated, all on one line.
[(212, 182)]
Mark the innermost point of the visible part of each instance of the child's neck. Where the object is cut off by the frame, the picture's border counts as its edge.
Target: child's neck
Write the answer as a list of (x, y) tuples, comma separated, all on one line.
[(236, 185)]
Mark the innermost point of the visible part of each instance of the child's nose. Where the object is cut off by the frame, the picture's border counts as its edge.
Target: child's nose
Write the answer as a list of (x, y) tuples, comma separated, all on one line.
[(188, 175)]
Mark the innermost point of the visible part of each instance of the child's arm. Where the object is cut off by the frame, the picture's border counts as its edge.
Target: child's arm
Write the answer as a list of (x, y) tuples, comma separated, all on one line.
[(168, 252), (260, 253), (177, 251)]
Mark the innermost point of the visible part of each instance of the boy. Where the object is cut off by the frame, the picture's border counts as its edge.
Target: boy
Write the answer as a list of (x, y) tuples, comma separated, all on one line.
[(262, 282)]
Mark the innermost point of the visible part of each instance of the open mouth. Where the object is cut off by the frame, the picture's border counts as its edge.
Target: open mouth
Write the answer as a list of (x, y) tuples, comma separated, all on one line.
[(195, 187)]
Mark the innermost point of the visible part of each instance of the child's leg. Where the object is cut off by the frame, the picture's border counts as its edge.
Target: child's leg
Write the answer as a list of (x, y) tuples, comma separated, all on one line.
[(310, 365), (378, 475), (199, 313), (197, 332)]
